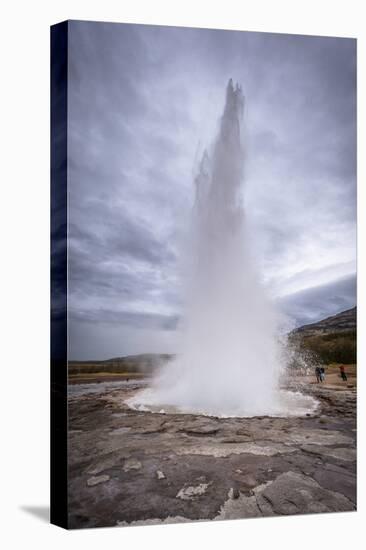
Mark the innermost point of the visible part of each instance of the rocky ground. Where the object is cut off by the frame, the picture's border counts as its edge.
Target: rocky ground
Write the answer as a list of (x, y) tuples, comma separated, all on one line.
[(131, 467)]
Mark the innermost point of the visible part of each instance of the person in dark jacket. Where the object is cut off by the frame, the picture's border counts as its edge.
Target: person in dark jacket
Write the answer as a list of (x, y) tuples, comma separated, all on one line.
[(343, 374), (322, 374), (317, 374)]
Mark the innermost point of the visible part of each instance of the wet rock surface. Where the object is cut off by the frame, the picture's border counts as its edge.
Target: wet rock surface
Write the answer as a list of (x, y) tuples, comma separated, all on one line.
[(132, 467)]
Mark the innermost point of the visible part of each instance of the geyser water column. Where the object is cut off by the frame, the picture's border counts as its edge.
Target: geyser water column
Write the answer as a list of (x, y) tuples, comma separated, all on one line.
[(230, 359)]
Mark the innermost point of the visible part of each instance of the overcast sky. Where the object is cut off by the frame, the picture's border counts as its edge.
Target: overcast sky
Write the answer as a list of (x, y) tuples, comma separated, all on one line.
[(143, 102)]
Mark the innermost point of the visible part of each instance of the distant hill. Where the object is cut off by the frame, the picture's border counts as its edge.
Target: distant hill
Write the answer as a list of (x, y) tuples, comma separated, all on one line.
[(333, 339), (143, 364), (346, 320)]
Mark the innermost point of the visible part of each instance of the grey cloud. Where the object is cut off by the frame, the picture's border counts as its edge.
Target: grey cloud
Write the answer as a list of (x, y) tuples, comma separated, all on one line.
[(128, 318), (141, 100), (317, 303)]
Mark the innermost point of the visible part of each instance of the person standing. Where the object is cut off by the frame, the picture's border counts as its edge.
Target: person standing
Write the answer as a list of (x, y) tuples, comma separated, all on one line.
[(343, 373), (317, 374), (322, 374)]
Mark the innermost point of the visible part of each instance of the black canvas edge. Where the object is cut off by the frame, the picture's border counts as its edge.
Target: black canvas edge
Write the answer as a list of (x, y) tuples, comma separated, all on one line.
[(59, 79)]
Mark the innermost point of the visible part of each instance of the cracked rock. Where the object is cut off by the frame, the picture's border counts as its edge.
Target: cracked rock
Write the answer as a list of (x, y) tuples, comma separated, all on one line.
[(131, 464), (188, 493), (292, 493), (95, 480)]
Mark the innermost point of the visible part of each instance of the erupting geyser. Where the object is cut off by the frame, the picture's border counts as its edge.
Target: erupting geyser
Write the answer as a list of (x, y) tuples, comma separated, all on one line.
[(230, 358)]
